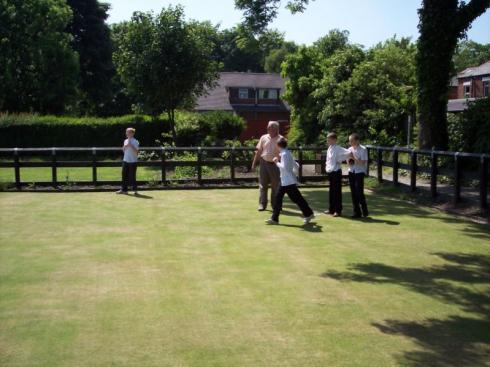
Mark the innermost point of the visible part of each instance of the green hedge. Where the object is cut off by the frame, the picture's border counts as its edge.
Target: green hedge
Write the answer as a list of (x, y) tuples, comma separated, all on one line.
[(33, 131), (193, 129)]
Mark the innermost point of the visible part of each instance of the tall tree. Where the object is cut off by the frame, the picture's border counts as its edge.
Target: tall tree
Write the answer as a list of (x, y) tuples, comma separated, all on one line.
[(442, 23), (470, 53), (38, 68), (165, 61), (92, 41)]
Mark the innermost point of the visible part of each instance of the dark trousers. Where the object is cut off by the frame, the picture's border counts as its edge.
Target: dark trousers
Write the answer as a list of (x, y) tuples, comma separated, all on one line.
[(129, 176), (295, 196), (335, 192), (356, 183)]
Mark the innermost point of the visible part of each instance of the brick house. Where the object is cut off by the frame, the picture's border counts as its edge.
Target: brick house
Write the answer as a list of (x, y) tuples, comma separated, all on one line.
[(254, 96), (470, 84)]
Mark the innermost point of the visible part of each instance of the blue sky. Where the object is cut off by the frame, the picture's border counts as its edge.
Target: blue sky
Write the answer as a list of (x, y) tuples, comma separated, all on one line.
[(369, 21)]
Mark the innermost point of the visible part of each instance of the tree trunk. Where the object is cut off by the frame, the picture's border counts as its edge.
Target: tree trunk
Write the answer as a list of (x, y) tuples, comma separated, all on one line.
[(171, 119), (442, 23)]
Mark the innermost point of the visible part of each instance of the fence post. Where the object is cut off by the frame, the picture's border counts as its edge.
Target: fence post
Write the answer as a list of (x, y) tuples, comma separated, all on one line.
[(199, 166), (413, 171), (300, 162), (232, 164), (163, 165), (483, 182), (54, 168), (380, 165), (433, 175), (17, 169), (457, 179), (94, 166), (396, 166)]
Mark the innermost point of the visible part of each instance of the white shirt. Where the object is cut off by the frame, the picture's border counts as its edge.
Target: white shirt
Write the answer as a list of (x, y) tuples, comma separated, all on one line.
[(335, 156), (130, 156), (287, 166), (361, 154)]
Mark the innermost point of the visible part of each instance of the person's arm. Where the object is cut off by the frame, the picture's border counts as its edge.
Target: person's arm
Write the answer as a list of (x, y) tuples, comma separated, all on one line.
[(134, 148), (362, 159), (257, 155)]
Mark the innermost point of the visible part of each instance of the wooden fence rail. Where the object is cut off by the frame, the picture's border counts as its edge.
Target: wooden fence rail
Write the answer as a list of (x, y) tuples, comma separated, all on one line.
[(11, 158), (457, 172)]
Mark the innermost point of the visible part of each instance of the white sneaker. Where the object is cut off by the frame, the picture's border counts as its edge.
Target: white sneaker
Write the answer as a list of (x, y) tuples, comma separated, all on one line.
[(307, 220), (271, 222)]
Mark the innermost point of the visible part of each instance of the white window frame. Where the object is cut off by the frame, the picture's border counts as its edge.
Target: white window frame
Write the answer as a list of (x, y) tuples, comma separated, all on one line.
[(243, 93), (486, 87), (271, 93), (467, 85)]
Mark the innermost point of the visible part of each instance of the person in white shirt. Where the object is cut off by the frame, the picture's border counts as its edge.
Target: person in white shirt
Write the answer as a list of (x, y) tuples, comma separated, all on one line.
[(130, 162), (335, 156), (287, 167), (267, 150), (357, 171)]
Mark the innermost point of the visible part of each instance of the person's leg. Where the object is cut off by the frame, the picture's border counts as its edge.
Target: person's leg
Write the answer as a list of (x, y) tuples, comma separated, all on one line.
[(362, 197), (338, 192), (275, 180), (354, 194), (278, 200), (296, 197), (331, 200), (133, 176), (263, 184), (125, 177)]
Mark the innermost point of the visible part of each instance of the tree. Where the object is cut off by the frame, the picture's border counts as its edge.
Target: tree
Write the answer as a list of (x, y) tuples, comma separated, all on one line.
[(469, 53), (165, 61), (92, 41), (38, 68), (276, 57), (442, 23)]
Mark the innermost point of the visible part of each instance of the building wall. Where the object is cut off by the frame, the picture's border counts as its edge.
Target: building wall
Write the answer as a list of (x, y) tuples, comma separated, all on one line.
[(257, 123), (476, 87)]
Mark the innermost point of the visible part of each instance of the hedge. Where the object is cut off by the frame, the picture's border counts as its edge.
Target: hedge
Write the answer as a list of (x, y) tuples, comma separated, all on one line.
[(193, 129), (34, 131)]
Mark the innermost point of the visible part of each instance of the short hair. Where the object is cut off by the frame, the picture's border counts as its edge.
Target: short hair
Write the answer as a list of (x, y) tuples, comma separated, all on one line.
[(332, 136), (131, 130), (273, 124), (282, 143), (355, 136)]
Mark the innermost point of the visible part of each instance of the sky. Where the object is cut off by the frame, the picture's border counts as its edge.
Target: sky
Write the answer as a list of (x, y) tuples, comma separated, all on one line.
[(369, 21)]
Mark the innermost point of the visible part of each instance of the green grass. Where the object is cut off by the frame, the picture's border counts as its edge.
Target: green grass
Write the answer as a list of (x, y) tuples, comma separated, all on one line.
[(195, 278)]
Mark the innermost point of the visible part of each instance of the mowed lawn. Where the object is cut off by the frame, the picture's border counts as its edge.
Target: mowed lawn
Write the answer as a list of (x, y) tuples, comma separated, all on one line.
[(195, 278)]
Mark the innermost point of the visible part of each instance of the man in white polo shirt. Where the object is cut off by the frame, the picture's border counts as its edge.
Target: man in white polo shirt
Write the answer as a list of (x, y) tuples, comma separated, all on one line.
[(267, 150), (357, 171)]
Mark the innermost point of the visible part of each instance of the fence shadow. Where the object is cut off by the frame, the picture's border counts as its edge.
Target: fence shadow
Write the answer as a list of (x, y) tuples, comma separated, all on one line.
[(455, 340)]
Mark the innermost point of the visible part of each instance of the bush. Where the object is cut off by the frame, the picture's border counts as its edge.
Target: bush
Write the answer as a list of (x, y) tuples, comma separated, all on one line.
[(193, 129), (28, 130), (207, 129), (470, 131)]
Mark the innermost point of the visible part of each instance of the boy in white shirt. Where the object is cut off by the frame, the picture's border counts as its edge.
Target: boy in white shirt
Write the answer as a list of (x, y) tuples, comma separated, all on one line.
[(130, 162), (335, 156), (287, 166), (357, 171)]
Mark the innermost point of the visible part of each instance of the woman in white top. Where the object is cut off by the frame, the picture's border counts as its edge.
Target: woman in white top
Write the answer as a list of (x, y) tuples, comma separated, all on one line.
[(357, 170), (287, 166)]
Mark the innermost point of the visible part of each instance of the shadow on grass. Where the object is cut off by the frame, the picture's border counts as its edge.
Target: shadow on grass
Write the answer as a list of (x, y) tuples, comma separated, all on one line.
[(454, 341), (311, 227), (142, 196), (382, 206)]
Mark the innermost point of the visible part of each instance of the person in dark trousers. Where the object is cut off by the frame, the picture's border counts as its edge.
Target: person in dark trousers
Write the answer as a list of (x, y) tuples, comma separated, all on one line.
[(130, 162), (357, 171), (335, 156), (287, 167)]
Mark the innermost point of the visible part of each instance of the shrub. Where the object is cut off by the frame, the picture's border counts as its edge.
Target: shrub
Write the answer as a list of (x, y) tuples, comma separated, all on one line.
[(30, 130), (470, 131)]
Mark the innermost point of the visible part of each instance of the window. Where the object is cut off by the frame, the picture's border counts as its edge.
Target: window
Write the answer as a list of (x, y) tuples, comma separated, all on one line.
[(268, 93), (486, 87), (467, 89), (243, 93)]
